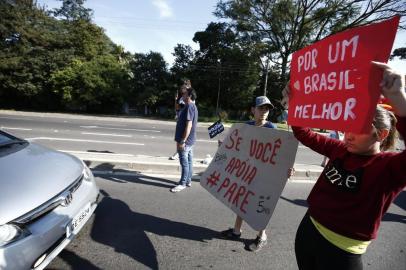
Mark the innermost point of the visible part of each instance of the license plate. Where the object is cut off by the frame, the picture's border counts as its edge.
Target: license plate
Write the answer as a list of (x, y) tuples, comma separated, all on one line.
[(76, 223)]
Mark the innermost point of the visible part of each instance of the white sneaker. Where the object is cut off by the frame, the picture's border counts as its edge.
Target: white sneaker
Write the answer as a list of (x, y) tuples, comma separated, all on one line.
[(178, 188), (189, 184)]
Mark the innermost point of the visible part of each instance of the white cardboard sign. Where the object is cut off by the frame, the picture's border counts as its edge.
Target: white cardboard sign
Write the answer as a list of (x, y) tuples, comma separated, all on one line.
[(250, 170)]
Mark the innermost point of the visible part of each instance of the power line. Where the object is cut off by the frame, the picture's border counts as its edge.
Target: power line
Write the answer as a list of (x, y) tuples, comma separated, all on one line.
[(154, 20)]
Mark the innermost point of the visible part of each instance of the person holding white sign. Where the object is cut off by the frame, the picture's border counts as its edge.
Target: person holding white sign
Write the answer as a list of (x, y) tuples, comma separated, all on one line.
[(260, 109), (357, 186)]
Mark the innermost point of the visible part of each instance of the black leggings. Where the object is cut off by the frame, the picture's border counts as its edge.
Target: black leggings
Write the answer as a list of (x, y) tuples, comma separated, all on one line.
[(314, 252)]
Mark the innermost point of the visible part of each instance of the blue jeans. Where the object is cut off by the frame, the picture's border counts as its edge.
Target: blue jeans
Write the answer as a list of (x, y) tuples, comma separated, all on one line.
[(186, 164)]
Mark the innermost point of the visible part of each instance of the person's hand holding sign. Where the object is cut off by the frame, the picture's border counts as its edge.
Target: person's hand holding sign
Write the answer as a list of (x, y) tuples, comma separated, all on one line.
[(393, 88)]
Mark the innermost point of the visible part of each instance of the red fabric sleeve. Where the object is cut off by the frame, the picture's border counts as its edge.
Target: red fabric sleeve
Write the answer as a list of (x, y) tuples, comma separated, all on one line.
[(318, 143)]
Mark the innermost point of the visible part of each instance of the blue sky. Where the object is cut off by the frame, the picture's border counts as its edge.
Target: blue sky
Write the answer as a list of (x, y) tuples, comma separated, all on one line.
[(158, 25), (150, 25)]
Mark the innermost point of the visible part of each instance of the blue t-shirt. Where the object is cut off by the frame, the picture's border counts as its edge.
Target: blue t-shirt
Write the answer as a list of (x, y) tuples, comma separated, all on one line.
[(267, 124), (188, 113)]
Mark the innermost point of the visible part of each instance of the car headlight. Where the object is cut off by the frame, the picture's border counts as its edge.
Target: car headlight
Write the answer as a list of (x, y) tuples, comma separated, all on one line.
[(87, 173), (10, 233)]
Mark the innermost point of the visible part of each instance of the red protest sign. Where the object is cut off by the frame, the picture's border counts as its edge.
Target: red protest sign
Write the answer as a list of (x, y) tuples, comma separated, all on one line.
[(333, 84)]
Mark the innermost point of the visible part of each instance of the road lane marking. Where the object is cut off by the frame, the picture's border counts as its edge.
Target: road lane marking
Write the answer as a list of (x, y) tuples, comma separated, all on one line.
[(106, 134), (301, 181), (15, 118), (130, 129), (11, 128), (209, 141), (78, 140)]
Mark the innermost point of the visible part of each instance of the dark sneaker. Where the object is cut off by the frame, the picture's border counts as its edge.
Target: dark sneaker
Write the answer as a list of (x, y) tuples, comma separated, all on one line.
[(257, 244), (230, 234)]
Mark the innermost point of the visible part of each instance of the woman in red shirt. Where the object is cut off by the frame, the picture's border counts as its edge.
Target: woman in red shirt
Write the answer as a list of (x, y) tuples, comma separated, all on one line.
[(357, 186)]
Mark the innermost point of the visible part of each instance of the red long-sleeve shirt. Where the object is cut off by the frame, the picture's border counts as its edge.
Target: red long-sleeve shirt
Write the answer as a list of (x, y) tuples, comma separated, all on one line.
[(354, 191)]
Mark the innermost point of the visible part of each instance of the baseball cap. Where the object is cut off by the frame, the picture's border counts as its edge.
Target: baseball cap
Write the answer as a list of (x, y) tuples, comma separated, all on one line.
[(263, 100)]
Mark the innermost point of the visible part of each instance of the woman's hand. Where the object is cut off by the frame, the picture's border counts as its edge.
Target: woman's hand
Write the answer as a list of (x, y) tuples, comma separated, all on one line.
[(393, 82), (393, 87)]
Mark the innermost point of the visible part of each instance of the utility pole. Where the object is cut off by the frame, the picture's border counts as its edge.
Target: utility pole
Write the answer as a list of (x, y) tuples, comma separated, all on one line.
[(219, 87), (266, 76)]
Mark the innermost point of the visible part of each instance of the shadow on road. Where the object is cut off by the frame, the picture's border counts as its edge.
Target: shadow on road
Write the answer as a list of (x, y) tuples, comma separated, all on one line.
[(135, 177), (299, 202), (117, 226), (75, 261), (401, 202), (98, 151)]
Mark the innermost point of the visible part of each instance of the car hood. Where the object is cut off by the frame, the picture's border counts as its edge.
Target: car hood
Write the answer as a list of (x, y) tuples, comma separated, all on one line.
[(31, 177)]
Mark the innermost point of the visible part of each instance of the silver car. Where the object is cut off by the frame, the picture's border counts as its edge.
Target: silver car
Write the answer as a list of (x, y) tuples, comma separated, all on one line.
[(46, 197)]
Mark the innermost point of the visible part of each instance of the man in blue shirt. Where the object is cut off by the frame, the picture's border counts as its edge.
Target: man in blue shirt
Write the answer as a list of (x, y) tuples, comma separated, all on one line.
[(185, 137)]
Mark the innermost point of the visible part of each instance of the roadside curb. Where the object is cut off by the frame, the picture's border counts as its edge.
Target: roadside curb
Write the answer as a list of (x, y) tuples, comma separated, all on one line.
[(133, 168)]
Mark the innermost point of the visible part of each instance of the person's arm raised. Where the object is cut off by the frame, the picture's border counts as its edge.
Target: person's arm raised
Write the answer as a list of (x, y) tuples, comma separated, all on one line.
[(319, 143), (393, 88)]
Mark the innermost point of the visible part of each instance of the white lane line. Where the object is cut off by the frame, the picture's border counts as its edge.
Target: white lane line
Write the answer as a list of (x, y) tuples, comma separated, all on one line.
[(11, 128), (96, 153), (78, 140), (15, 118), (209, 141), (106, 134), (130, 129), (301, 181)]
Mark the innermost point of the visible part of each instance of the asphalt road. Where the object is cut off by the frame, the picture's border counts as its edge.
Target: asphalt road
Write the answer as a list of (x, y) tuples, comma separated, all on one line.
[(121, 136), (139, 224)]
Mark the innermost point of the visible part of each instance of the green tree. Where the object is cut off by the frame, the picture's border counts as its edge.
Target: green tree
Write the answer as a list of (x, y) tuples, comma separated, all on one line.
[(73, 10), (94, 86), (30, 49), (51, 64), (149, 82), (225, 73), (399, 52), (181, 68), (285, 26)]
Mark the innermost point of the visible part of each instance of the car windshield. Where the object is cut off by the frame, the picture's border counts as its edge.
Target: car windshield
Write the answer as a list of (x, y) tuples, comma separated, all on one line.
[(8, 140)]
